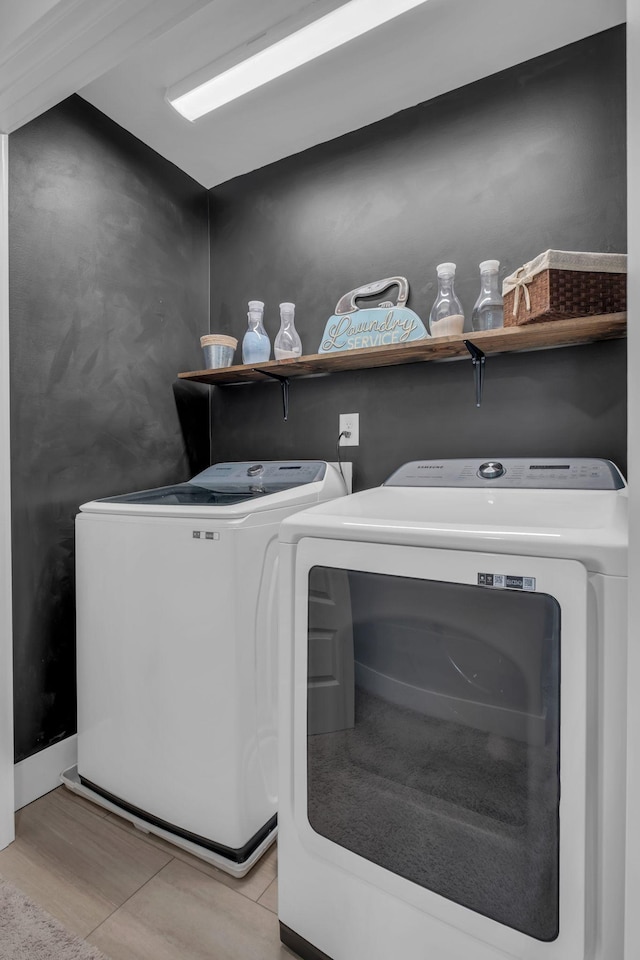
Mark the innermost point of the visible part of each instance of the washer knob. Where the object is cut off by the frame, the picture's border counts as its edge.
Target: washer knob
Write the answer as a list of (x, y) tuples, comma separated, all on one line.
[(255, 470), (490, 470)]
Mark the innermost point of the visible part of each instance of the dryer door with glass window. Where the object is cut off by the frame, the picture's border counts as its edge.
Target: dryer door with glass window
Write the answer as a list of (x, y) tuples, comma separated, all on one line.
[(435, 737)]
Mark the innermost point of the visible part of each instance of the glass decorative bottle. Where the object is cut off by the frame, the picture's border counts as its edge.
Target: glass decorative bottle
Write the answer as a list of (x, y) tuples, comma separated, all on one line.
[(447, 316), (287, 343), (256, 346), (488, 313)]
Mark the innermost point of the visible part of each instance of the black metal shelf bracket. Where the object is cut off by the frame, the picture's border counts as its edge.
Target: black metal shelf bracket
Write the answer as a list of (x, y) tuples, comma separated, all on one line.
[(478, 359), (284, 383)]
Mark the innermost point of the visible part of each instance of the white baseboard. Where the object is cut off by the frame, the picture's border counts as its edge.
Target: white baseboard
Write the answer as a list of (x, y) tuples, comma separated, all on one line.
[(40, 773)]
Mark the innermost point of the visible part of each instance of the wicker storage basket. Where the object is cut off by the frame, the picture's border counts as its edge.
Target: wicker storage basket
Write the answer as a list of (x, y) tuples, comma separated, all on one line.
[(560, 284)]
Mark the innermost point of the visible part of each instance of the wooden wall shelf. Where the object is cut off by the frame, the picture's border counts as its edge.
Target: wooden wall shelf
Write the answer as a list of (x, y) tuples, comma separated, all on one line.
[(535, 336)]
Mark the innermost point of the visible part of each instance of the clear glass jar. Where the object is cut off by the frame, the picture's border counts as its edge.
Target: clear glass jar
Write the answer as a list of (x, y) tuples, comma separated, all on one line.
[(488, 312), (447, 316), (287, 343), (256, 346)]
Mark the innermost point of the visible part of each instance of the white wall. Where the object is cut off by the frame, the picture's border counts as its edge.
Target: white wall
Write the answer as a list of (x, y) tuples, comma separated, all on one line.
[(49, 49), (632, 950), (6, 644)]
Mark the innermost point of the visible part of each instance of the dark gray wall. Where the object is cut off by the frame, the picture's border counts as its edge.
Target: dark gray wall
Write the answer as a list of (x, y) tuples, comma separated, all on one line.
[(505, 168), (108, 297)]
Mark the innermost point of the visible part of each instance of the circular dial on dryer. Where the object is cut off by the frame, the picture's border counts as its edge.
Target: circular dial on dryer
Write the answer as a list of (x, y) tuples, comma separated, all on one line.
[(255, 470), (490, 470)]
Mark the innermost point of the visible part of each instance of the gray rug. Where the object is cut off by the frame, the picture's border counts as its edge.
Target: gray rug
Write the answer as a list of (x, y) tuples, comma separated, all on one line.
[(28, 933)]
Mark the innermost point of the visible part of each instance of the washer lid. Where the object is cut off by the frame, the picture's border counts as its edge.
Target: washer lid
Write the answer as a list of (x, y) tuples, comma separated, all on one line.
[(230, 490), (184, 494)]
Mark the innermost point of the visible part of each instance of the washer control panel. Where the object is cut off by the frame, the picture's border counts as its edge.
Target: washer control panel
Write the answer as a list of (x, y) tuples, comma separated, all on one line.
[(271, 475), (575, 473)]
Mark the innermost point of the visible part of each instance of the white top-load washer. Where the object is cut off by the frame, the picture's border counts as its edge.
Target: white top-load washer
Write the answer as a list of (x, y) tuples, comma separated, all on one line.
[(452, 715), (176, 653)]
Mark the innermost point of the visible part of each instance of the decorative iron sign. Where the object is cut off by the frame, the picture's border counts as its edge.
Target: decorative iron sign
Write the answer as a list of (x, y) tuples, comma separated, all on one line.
[(352, 327)]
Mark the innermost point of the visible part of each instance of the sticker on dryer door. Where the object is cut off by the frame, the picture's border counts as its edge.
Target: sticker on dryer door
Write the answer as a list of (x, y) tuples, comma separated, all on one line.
[(506, 581)]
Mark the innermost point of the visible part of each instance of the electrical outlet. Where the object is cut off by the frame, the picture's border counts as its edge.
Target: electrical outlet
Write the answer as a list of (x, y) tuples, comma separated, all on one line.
[(350, 429)]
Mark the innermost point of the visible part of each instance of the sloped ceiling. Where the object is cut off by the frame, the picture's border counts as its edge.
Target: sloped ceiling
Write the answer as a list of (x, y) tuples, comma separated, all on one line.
[(441, 45)]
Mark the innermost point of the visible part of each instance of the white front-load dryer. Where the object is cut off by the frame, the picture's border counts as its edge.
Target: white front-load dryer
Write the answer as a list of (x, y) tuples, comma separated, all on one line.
[(176, 653), (452, 716)]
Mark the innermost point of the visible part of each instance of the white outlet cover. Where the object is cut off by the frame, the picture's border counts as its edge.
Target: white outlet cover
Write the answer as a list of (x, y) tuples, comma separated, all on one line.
[(350, 423)]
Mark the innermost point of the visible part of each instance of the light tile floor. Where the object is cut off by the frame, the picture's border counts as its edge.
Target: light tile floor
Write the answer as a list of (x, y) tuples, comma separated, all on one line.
[(133, 895)]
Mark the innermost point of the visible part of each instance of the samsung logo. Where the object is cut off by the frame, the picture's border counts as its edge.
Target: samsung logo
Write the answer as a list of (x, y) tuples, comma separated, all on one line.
[(431, 467)]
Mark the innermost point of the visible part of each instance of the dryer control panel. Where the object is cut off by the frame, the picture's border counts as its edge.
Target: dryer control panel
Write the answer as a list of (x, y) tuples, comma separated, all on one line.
[(574, 473)]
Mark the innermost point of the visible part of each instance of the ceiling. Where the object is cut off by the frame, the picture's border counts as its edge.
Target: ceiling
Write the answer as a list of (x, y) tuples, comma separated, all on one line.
[(439, 46)]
